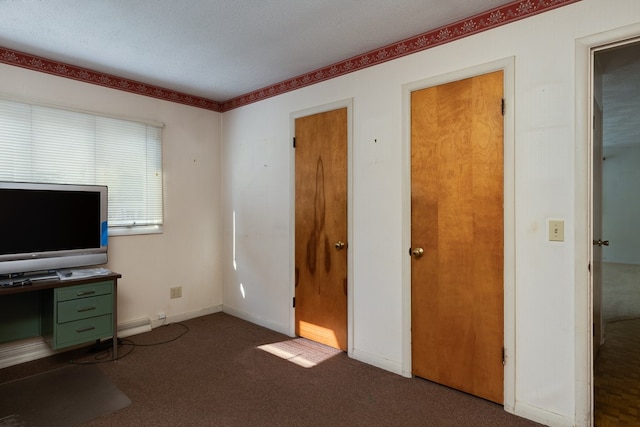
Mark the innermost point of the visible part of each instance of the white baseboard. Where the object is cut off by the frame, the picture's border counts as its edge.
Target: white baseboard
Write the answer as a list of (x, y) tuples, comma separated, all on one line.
[(16, 352), (134, 327), (377, 361), (180, 317), (542, 416), (283, 329)]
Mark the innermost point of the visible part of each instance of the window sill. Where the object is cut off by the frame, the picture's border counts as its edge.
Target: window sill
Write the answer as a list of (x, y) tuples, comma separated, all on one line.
[(135, 230)]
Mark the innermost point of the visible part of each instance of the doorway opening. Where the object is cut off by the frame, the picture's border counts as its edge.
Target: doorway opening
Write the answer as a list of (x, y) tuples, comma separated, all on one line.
[(615, 273)]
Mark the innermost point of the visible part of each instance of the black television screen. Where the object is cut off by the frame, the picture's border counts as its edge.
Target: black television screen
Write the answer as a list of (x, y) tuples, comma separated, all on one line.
[(43, 221), (51, 226)]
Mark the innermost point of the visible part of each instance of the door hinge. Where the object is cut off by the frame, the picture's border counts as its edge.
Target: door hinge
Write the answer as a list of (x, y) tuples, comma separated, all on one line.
[(294, 142), (294, 302), (589, 267), (504, 357), (502, 106)]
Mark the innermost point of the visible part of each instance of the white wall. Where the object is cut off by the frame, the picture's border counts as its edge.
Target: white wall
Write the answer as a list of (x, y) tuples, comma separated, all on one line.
[(258, 188), (188, 252), (621, 205)]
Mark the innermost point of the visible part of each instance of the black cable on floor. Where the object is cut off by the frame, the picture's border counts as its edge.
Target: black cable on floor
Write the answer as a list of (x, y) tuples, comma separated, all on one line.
[(103, 356)]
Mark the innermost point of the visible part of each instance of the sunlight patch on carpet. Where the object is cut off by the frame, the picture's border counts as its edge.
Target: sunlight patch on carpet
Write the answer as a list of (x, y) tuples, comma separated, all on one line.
[(301, 351)]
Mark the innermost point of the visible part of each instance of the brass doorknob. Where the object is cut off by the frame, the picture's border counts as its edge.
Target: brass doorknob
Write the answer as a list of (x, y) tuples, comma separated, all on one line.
[(339, 245), (417, 252)]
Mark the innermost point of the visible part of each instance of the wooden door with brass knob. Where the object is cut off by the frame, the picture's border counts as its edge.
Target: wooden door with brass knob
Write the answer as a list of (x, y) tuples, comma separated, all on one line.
[(457, 237), (321, 245)]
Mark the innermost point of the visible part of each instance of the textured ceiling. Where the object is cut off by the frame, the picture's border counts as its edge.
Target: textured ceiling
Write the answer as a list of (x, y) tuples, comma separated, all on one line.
[(222, 49), (218, 49)]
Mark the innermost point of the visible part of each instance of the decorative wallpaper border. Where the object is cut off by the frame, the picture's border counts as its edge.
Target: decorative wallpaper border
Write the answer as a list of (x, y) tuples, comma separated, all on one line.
[(484, 21), (467, 27), (60, 69)]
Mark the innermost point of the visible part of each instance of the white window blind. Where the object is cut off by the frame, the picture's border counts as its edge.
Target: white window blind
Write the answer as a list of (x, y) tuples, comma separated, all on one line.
[(44, 144)]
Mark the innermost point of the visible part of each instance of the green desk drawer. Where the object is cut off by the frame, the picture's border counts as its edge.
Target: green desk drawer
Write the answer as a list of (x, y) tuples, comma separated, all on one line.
[(84, 330), (83, 308), (82, 291)]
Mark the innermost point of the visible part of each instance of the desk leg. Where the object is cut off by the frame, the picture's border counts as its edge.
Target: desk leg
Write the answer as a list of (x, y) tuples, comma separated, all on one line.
[(115, 320)]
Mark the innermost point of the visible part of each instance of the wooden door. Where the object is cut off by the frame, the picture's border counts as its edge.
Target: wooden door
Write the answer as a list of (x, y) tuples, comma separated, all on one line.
[(457, 286), (321, 228)]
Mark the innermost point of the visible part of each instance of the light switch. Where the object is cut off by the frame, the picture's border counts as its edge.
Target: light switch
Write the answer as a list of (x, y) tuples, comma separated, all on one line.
[(556, 230)]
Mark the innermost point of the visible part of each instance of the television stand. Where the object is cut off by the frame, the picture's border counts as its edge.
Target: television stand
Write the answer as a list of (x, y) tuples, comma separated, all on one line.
[(26, 279), (66, 312)]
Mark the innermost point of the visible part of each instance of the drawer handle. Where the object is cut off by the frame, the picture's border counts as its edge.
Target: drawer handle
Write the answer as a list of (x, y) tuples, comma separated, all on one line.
[(83, 293), (81, 309), (88, 328)]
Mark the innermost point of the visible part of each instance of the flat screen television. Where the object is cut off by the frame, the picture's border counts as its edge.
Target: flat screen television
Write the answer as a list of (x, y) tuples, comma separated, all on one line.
[(46, 227)]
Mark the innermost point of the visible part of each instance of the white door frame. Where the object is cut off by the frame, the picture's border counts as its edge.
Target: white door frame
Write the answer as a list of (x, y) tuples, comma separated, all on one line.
[(348, 104), (583, 215), (508, 66)]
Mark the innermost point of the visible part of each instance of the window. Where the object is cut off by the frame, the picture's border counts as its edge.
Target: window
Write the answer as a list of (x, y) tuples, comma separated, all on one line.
[(44, 144)]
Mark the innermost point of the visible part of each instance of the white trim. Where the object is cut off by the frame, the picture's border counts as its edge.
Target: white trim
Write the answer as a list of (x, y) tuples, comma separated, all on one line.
[(135, 230), (583, 208), (542, 416), (134, 327), (508, 66), (181, 317), (258, 320), (377, 361), (351, 244)]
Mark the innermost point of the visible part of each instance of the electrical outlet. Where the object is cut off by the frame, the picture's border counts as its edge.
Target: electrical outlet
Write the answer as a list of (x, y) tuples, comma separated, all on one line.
[(161, 316), (176, 292)]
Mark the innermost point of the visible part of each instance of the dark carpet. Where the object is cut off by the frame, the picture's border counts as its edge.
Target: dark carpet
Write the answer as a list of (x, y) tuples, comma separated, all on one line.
[(210, 371), (62, 397)]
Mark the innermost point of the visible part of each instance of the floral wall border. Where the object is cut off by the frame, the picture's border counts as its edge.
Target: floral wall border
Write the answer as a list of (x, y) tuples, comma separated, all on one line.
[(487, 20), (60, 69), (484, 21)]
